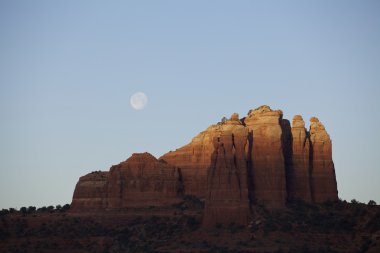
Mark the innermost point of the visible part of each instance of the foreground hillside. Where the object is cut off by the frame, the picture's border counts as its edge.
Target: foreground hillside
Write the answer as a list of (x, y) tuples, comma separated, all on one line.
[(300, 227)]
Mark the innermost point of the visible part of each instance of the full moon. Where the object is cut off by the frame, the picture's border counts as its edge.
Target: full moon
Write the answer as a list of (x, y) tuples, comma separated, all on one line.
[(138, 100)]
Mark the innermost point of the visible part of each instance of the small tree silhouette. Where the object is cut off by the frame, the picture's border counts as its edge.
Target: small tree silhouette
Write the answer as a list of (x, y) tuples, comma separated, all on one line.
[(354, 201), (372, 203), (23, 210)]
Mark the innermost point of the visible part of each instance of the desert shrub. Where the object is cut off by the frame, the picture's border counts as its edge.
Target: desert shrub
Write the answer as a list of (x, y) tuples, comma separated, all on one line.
[(124, 235), (374, 223), (50, 209), (3, 234), (65, 208), (31, 209), (23, 210), (365, 245), (218, 226), (144, 235), (20, 227), (190, 202), (254, 227), (192, 224), (270, 225), (355, 202), (222, 121), (233, 228), (4, 212), (42, 209), (286, 227), (371, 203)]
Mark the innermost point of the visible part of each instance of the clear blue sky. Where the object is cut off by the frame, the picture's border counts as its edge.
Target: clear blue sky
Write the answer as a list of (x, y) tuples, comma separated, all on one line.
[(68, 69)]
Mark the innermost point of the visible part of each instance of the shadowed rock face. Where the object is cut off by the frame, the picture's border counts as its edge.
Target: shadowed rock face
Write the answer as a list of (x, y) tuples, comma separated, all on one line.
[(140, 181), (260, 159), (91, 192)]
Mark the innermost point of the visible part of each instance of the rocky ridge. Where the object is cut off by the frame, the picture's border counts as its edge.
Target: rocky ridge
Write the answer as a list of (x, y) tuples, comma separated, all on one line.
[(233, 165)]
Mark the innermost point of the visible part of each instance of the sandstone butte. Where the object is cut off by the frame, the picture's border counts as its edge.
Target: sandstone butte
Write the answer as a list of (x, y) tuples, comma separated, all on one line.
[(233, 165)]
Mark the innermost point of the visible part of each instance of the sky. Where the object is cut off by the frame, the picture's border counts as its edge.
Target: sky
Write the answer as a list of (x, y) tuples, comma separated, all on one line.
[(69, 68)]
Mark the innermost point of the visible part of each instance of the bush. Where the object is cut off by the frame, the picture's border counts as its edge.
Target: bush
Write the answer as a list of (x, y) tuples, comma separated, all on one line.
[(286, 227), (65, 208), (42, 209), (372, 203), (233, 228), (190, 202), (355, 202), (270, 225), (23, 210), (365, 246), (374, 224), (31, 209), (4, 212), (50, 208), (192, 223)]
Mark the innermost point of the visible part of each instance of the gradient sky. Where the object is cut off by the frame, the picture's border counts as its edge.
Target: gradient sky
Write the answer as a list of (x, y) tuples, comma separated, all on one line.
[(68, 69)]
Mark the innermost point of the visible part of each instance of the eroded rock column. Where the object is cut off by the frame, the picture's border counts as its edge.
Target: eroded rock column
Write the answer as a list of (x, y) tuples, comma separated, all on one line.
[(299, 172), (323, 180), (267, 160), (227, 193)]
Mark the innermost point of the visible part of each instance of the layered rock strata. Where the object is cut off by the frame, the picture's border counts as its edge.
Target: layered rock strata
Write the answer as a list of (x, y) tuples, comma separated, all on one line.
[(227, 191), (237, 163), (91, 192), (194, 160), (140, 181)]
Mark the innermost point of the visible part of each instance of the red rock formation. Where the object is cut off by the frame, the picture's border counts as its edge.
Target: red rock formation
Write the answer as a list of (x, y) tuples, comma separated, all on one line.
[(194, 159), (140, 181), (233, 164), (298, 180), (227, 191), (91, 192), (266, 156), (323, 180)]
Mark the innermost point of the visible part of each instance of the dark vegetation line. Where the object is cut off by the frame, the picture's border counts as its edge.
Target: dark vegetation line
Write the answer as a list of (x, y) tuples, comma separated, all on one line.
[(32, 209), (53, 229)]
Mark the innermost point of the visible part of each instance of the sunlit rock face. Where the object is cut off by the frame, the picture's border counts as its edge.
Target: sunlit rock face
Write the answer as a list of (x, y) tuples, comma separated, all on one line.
[(232, 165), (194, 160), (276, 164), (227, 190), (266, 162), (323, 180)]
